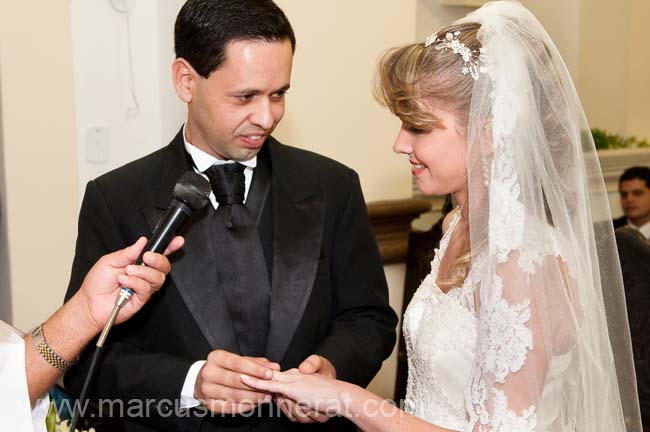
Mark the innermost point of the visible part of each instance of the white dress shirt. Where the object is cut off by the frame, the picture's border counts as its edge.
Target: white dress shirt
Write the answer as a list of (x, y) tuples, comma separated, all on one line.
[(16, 414), (203, 161)]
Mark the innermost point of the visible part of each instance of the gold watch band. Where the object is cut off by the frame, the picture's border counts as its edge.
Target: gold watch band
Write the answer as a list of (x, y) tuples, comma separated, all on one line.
[(48, 353)]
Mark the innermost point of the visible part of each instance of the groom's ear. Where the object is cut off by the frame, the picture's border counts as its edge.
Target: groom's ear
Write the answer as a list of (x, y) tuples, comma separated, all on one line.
[(184, 78)]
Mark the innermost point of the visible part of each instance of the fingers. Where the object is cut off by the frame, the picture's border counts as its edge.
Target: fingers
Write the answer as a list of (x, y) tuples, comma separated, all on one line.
[(126, 256), (214, 392), (282, 404), (318, 364), (284, 407), (153, 273), (220, 380), (140, 287), (227, 379), (131, 253), (311, 365), (284, 385), (294, 411), (239, 364), (142, 280), (176, 243), (299, 413), (318, 417), (268, 386), (279, 383), (156, 262), (263, 361)]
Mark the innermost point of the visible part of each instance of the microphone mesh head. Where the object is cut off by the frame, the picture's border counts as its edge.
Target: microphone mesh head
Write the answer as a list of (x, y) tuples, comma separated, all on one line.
[(193, 190)]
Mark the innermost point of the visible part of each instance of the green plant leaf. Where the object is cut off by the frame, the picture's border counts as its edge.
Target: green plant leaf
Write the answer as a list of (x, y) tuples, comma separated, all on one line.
[(51, 419), (604, 140)]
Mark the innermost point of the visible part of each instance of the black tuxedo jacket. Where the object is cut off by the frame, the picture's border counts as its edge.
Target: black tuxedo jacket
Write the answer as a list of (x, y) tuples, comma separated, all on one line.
[(619, 222), (634, 252), (329, 293)]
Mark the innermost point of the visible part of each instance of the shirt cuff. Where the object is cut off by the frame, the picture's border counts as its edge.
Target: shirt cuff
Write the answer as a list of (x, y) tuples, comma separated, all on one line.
[(39, 413), (187, 393)]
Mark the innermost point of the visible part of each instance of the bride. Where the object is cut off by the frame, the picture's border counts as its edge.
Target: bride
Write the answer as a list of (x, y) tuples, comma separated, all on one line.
[(508, 332)]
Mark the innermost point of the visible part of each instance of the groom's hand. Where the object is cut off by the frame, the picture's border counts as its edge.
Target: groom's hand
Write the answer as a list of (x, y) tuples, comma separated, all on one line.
[(314, 364), (318, 364), (219, 388)]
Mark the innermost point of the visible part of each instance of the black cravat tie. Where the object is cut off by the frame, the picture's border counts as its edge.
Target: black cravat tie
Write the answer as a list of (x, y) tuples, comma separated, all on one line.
[(228, 185), (240, 259)]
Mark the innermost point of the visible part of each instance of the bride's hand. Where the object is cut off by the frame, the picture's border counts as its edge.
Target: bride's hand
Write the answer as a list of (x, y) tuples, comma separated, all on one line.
[(308, 391)]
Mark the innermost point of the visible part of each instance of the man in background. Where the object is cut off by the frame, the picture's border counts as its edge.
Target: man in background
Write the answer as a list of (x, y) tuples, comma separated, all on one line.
[(634, 189)]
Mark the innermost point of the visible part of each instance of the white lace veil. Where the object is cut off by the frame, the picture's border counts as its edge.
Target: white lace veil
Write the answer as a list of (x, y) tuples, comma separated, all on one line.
[(542, 243)]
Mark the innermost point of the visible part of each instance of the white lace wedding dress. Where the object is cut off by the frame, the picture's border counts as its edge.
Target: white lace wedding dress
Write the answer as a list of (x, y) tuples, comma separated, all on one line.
[(440, 330)]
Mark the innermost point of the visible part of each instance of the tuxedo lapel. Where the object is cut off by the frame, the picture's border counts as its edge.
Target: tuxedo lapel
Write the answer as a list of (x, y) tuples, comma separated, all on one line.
[(174, 164), (298, 215), (297, 235), (193, 267)]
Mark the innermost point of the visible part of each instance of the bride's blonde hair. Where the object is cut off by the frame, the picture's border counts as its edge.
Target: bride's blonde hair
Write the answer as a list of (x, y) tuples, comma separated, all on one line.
[(412, 80)]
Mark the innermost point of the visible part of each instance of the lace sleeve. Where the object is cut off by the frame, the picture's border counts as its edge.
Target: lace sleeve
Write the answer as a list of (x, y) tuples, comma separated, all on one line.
[(525, 322)]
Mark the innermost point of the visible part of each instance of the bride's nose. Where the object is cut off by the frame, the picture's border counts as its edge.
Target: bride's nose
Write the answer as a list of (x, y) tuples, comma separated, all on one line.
[(402, 143)]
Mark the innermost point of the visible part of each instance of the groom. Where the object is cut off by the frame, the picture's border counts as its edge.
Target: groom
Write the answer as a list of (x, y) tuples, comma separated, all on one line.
[(281, 271)]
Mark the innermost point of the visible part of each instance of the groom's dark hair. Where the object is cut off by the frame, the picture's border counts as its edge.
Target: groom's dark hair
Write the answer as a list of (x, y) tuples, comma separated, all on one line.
[(204, 28)]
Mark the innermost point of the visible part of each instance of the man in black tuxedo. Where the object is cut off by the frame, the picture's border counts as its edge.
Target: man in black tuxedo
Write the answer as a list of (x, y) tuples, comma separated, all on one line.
[(634, 189), (293, 278)]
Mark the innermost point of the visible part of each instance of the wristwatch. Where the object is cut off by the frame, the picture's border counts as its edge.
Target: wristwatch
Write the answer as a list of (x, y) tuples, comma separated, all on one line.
[(47, 353)]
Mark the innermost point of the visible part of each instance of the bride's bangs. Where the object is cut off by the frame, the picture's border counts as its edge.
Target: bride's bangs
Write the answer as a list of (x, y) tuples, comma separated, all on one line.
[(398, 86)]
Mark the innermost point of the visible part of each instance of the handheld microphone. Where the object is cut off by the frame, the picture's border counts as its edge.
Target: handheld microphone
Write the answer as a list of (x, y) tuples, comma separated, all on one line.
[(190, 193)]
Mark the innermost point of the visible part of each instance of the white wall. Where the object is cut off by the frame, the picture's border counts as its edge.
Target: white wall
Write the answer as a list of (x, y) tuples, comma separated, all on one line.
[(431, 16), (39, 154), (604, 63), (172, 111), (614, 63), (638, 110), (103, 89), (330, 108), (563, 27), (562, 21)]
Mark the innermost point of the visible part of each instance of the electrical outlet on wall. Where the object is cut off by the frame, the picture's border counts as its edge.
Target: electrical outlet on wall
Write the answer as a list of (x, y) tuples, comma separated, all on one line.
[(97, 144)]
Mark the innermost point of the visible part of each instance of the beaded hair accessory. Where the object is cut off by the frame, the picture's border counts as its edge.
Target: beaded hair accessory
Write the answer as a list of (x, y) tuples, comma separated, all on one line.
[(474, 61)]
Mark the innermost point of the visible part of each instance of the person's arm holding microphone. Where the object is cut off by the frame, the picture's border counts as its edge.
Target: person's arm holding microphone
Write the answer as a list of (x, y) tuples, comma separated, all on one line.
[(60, 340)]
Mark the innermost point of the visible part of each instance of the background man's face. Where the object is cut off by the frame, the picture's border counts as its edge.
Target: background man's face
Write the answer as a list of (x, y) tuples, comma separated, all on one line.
[(236, 108), (635, 200)]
